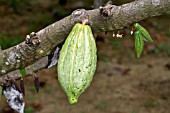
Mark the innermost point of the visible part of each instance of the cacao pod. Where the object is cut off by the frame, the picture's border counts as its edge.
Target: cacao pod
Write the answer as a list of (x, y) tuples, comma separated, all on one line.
[(77, 61)]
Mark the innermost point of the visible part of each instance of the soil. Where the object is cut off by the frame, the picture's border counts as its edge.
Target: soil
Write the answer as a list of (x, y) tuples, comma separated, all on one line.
[(122, 83)]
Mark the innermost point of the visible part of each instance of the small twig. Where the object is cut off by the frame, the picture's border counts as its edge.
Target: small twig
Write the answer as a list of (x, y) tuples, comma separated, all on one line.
[(41, 64)]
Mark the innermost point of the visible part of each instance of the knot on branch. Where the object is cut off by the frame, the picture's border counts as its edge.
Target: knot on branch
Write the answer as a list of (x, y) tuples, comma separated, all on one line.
[(106, 11), (32, 39), (80, 16)]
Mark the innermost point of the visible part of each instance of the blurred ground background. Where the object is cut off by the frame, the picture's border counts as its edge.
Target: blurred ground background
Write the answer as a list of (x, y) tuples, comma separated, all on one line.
[(122, 83)]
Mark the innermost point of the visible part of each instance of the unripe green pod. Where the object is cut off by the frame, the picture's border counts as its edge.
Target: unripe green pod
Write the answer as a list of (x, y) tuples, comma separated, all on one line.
[(139, 43), (77, 61), (144, 32)]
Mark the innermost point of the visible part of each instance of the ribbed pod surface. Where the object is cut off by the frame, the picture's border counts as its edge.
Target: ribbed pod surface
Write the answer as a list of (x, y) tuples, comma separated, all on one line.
[(77, 61)]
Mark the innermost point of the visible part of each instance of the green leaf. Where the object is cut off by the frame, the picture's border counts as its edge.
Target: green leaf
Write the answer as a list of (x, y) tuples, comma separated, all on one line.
[(139, 43), (23, 72), (0, 92), (144, 32)]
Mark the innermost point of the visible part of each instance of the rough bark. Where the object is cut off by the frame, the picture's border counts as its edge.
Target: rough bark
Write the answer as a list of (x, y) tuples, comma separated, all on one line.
[(107, 18)]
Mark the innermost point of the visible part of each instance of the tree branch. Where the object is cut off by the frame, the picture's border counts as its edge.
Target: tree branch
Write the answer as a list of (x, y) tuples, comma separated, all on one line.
[(106, 18)]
